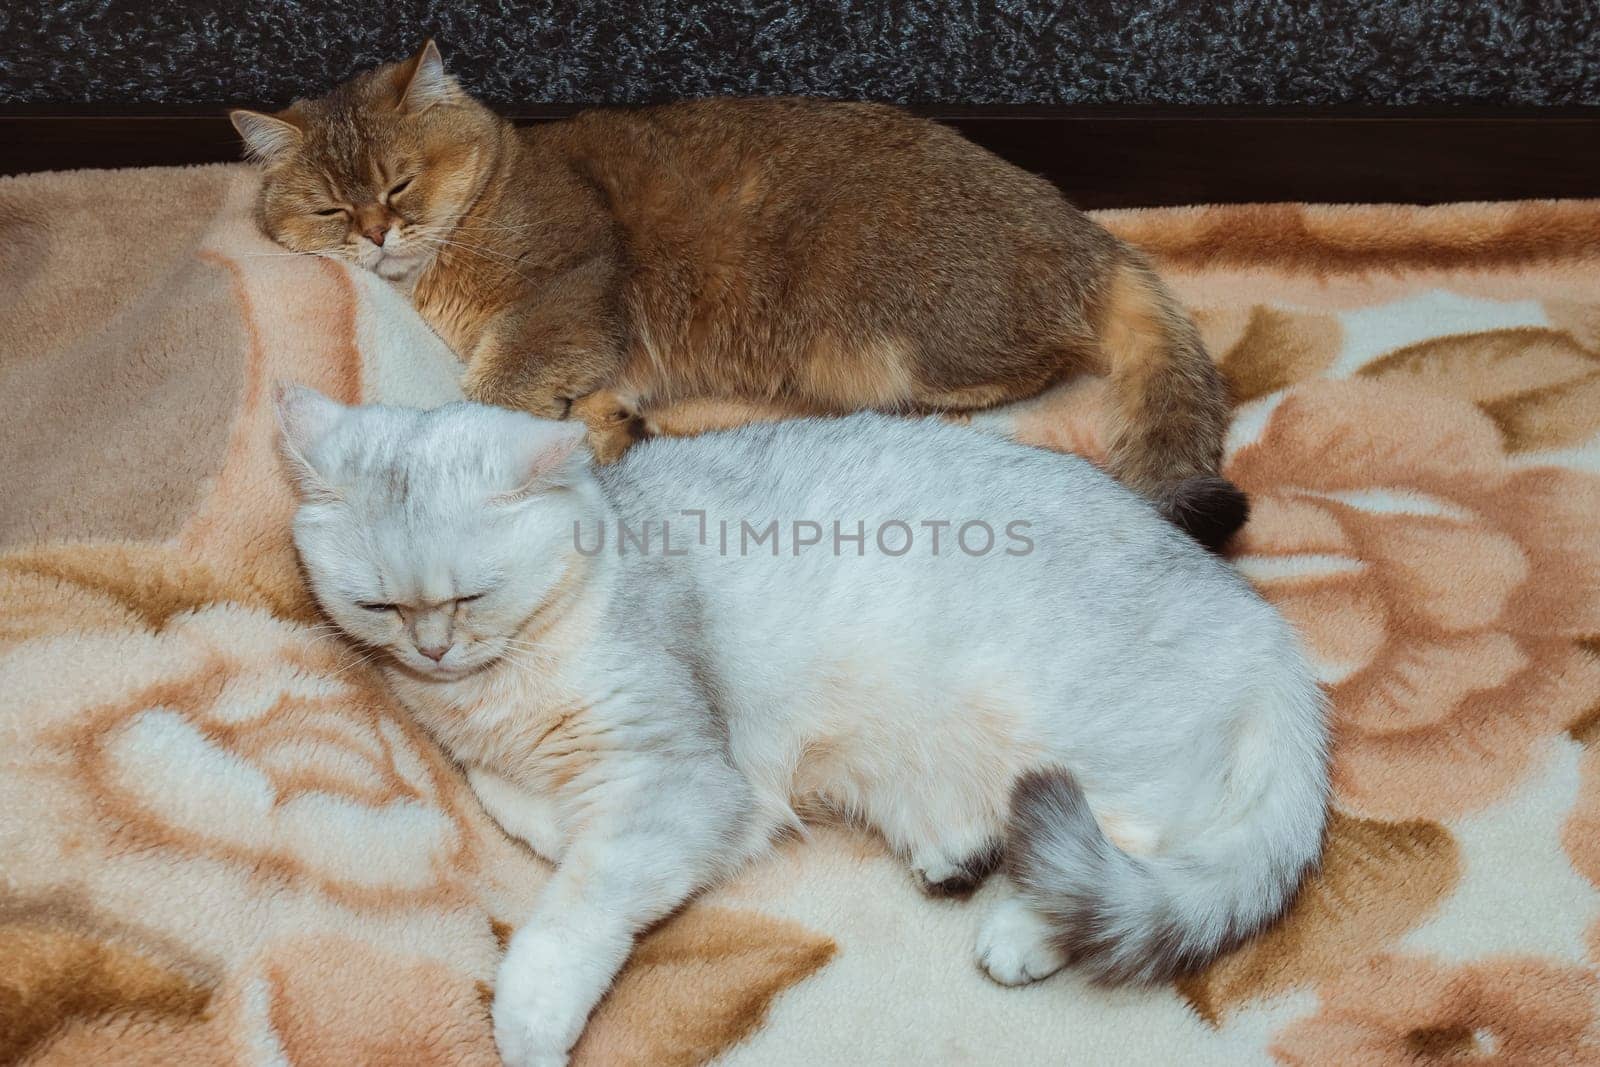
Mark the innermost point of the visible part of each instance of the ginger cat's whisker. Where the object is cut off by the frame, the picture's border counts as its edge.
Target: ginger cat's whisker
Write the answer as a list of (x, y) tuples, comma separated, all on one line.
[(493, 260), (455, 241)]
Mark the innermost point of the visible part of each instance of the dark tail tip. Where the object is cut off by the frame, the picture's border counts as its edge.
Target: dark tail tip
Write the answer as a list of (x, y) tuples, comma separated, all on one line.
[(1207, 507)]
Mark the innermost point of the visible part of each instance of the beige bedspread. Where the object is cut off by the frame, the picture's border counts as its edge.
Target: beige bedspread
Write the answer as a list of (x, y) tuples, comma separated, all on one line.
[(221, 842)]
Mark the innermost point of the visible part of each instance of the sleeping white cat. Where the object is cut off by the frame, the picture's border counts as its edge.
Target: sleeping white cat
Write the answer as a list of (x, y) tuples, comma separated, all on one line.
[(1113, 710)]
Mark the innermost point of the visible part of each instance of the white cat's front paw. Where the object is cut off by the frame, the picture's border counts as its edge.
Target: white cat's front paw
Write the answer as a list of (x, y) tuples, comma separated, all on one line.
[(531, 1029), (1015, 946), (524, 1039)]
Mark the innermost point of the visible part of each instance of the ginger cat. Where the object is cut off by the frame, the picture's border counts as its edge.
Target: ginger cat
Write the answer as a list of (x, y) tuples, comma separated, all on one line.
[(701, 264)]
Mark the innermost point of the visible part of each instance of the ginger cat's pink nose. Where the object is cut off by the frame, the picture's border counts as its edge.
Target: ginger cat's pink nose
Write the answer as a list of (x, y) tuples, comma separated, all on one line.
[(433, 652), (375, 235)]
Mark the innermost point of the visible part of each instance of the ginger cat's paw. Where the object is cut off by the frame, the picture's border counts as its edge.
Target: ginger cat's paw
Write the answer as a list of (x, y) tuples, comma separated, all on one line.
[(614, 426), (609, 443)]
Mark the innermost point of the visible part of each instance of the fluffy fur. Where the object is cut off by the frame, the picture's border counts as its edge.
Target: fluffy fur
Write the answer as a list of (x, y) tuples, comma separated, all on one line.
[(785, 256), (1119, 714)]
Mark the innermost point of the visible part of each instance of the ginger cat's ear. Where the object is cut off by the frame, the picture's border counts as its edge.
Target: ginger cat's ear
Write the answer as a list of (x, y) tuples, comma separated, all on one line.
[(305, 417), (267, 138), (426, 82)]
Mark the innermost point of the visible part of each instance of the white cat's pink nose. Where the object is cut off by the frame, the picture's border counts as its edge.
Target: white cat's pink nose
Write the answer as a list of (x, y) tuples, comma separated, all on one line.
[(434, 652)]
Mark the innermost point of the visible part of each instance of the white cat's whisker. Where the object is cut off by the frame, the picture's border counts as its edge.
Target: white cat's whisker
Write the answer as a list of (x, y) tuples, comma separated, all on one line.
[(528, 645), (363, 660)]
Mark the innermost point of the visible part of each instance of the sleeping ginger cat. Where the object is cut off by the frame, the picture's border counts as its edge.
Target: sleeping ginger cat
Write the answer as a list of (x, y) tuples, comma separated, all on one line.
[(701, 264)]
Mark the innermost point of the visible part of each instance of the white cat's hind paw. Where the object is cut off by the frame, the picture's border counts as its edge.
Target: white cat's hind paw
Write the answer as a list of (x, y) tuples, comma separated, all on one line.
[(1015, 946)]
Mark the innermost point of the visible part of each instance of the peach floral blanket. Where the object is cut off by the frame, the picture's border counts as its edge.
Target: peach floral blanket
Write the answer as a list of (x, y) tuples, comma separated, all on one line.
[(220, 842)]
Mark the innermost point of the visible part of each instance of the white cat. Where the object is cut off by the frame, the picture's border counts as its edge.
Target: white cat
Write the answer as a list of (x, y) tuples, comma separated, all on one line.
[(1082, 690)]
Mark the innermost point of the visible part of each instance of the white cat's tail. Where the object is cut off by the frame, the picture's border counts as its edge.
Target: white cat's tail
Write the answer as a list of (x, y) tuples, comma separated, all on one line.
[(1135, 919)]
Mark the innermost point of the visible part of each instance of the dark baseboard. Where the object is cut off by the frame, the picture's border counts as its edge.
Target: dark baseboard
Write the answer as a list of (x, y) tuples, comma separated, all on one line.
[(1100, 157)]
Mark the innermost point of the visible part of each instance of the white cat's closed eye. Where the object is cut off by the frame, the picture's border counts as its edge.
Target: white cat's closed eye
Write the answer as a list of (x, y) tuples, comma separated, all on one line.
[(379, 608)]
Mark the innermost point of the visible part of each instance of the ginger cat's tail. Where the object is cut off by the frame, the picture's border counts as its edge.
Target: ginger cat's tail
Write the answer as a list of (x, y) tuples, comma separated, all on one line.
[(1171, 407)]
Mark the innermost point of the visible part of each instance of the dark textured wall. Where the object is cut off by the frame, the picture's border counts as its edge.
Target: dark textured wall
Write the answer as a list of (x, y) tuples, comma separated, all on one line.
[(1190, 52)]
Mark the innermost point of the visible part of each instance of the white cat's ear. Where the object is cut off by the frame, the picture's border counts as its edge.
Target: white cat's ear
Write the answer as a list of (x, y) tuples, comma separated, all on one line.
[(544, 455), (267, 138), (305, 417), (426, 82)]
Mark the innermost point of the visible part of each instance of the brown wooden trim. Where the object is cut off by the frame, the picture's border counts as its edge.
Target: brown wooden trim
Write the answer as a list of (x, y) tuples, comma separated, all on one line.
[(1101, 157)]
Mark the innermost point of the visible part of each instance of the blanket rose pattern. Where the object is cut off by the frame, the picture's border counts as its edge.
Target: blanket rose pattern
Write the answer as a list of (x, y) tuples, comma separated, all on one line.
[(220, 842)]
